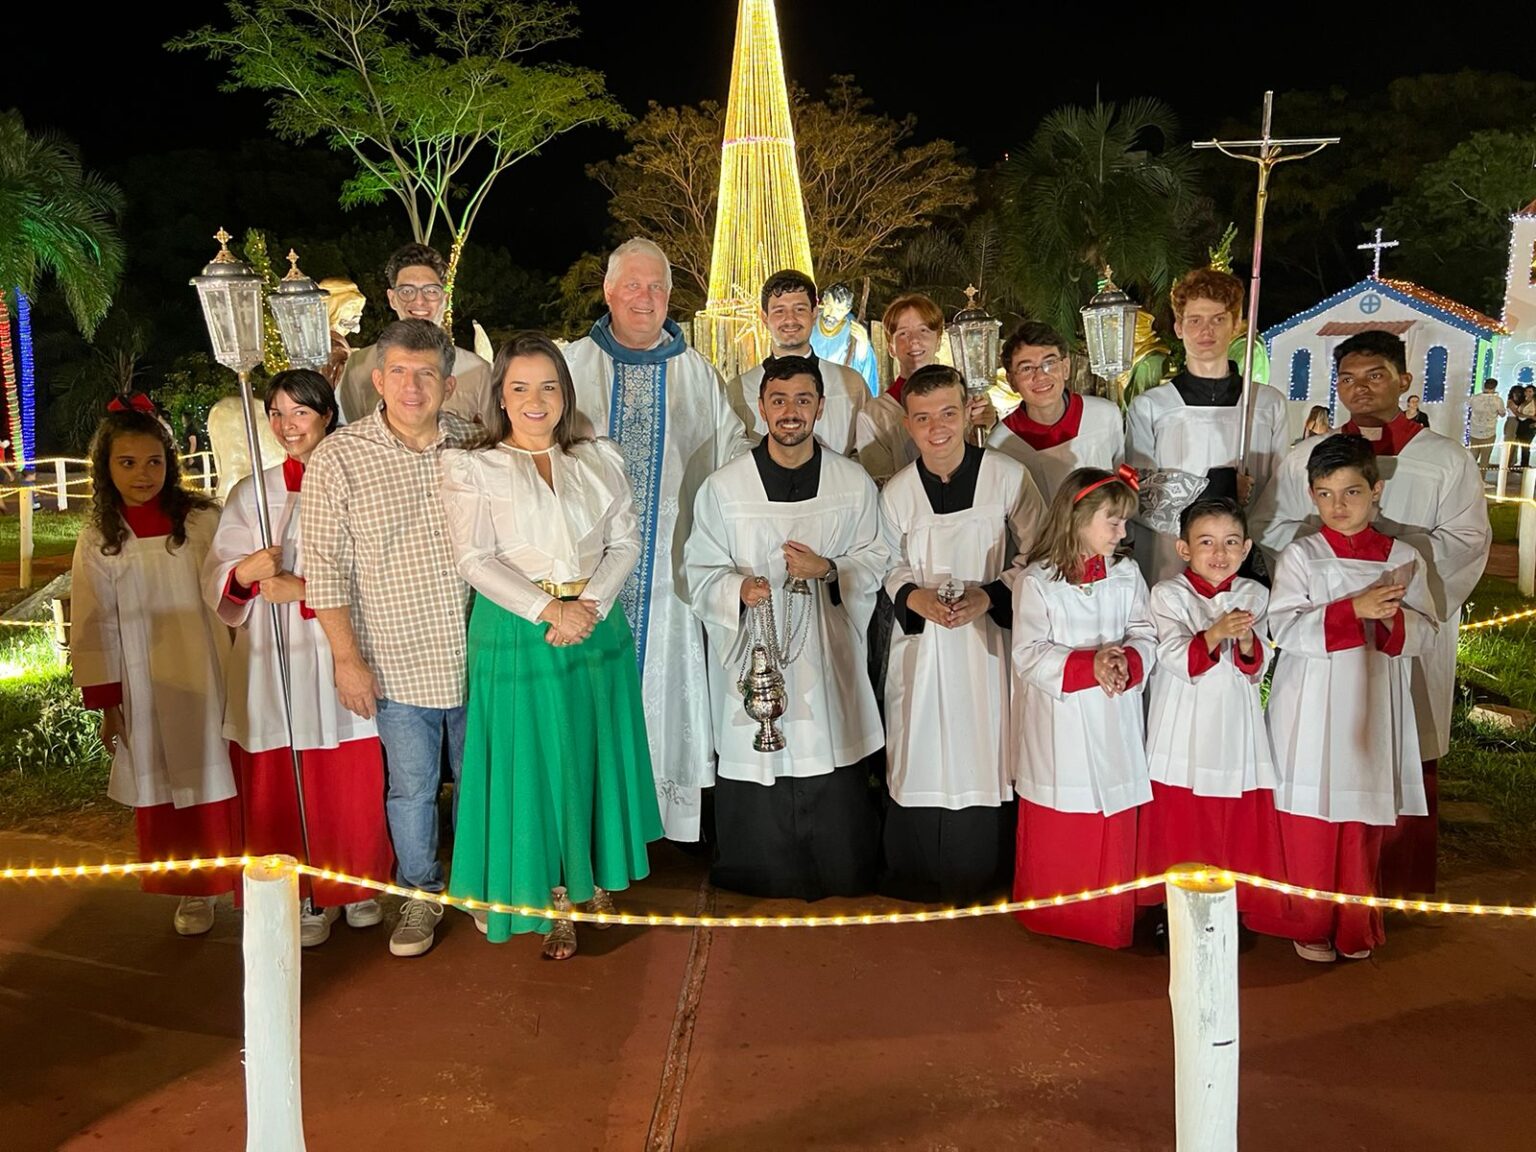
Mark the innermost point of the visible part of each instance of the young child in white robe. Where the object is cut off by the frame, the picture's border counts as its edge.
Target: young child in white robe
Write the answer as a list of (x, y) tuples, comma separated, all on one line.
[(1349, 610), (151, 656), (1208, 753), (1083, 642)]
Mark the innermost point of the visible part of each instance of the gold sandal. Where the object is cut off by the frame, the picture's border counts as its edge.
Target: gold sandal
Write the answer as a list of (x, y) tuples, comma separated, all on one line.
[(560, 943), (601, 903)]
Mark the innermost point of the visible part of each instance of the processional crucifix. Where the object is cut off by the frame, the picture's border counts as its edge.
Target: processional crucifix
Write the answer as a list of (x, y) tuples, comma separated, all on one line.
[(1266, 152)]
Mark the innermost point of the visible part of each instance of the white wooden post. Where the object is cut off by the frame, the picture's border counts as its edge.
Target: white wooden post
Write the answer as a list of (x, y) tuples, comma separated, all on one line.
[(274, 1120), (61, 481), (207, 459), (25, 497), (1202, 986), (1527, 538)]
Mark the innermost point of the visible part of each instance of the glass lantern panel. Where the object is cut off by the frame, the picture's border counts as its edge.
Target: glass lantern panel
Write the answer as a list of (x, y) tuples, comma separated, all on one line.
[(245, 298), (220, 318)]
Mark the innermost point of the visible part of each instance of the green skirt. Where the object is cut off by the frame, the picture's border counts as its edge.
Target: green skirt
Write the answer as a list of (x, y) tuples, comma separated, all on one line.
[(556, 785)]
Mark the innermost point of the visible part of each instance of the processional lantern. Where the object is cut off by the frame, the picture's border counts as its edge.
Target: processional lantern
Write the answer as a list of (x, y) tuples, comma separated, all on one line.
[(230, 293), (973, 341), (1109, 325), (303, 320)]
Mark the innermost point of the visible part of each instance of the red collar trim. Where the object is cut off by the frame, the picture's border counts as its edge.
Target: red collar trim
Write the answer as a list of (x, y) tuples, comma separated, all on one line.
[(1203, 586), (1394, 435), (293, 473), (1094, 569), (894, 391), (1366, 544), (1042, 436), (147, 520)]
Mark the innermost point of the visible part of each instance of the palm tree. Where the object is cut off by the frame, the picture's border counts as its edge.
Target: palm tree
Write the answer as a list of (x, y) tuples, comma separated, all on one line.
[(55, 218), (1095, 186)]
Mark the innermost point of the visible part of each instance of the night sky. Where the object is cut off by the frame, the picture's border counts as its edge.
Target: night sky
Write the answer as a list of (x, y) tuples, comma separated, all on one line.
[(976, 72)]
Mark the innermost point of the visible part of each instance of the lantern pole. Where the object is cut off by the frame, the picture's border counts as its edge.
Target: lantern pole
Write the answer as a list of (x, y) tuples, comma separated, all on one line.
[(1268, 152)]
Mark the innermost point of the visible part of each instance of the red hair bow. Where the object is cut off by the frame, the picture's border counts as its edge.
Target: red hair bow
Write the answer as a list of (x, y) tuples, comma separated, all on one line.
[(138, 402), (1124, 474)]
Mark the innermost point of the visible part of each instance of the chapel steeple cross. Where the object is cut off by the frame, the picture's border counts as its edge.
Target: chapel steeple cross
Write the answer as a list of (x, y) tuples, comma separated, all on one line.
[(1376, 246)]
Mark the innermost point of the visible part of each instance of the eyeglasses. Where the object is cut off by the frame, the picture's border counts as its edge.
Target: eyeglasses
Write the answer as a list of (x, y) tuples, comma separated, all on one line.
[(429, 292), (1046, 367)]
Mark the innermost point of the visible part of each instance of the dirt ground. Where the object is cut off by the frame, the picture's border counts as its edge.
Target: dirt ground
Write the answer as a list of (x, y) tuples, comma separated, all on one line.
[(968, 1035)]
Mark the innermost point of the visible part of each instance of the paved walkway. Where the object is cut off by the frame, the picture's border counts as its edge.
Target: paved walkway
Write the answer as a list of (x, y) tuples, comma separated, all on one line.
[(969, 1035)]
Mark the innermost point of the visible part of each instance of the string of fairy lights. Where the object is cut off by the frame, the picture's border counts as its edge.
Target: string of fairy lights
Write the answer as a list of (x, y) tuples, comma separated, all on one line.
[(277, 865)]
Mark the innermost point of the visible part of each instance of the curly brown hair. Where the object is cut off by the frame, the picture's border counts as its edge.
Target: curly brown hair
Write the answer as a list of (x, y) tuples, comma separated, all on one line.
[(107, 505)]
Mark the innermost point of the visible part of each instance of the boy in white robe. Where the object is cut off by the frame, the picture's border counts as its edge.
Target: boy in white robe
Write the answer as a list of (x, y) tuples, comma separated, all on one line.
[(1349, 610), (801, 821), (1194, 423), (1432, 501), (960, 522), (1055, 429)]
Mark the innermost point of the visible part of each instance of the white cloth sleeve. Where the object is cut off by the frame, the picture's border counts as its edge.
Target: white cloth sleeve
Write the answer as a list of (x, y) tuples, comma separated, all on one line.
[(895, 533), (95, 644), (711, 575), (862, 568), (1140, 440), (621, 533), (1024, 520), (1037, 659), (1296, 621), (472, 534), (1140, 631), (235, 539)]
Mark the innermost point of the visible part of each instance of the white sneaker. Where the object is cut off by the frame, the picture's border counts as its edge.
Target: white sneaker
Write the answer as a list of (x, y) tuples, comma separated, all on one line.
[(194, 915), (416, 928), (1363, 954), (364, 914), (1319, 953), (315, 926)]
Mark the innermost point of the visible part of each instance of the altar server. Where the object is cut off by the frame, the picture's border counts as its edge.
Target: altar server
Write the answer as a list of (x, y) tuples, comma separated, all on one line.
[(1193, 424), (341, 759), (1055, 429), (1350, 609), (1432, 500), (1083, 642), (959, 523), (1208, 753), (148, 653), (802, 821)]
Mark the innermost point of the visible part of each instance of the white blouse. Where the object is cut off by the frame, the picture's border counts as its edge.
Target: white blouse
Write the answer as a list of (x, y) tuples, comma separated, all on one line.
[(509, 530)]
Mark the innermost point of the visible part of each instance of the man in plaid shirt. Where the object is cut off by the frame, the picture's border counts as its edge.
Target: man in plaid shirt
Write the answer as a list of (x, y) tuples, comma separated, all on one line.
[(381, 578)]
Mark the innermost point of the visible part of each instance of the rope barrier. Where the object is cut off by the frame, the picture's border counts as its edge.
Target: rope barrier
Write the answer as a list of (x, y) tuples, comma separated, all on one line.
[(841, 920)]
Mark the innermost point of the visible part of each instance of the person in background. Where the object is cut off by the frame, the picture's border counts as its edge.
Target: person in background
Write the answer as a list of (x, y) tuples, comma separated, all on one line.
[(1525, 426), (1484, 409), (1415, 413), (1316, 424)]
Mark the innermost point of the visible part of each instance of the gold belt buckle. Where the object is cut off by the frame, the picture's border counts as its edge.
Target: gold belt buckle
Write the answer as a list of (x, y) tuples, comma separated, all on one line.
[(563, 591)]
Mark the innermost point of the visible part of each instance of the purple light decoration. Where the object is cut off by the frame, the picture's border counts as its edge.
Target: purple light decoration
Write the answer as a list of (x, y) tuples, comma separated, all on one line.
[(28, 391)]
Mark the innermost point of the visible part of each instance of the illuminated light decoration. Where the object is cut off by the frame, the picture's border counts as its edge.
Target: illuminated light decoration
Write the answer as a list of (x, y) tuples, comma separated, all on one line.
[(27, 410), (759, 212), (838, 920), (1499, 621), (8, 381)]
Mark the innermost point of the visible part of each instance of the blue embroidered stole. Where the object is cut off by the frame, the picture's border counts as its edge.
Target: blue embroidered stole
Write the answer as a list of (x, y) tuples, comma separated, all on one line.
[(637, 421)]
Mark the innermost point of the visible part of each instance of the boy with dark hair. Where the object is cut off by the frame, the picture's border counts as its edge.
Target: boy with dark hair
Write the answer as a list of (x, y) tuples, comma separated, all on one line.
[(1193, 424), (1349, 611), (1432, 500)]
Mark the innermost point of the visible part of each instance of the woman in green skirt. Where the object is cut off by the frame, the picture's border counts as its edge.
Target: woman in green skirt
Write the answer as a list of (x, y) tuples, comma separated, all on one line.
[(556, 801)]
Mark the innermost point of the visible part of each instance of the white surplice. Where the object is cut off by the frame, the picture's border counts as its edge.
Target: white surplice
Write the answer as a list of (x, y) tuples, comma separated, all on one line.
[(699, 432), (1207, 732), (1433, 501), (1162, 432), (845, 397), (138, 620), (881, 437), (830, 718), (1346, 745), (946, 689), (1079, 751), (1099, 443), (253, 714), (509, 530)]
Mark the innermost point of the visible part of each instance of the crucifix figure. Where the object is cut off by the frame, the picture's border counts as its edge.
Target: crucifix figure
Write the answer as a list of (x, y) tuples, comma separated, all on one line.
[(1266, 152), (1377, 245)]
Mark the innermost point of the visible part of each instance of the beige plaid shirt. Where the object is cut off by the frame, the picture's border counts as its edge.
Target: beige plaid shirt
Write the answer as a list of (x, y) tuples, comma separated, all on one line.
[(373, 539)]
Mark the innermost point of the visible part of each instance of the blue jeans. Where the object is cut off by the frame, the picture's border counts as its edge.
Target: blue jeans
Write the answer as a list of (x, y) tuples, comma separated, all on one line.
[(413, 749)]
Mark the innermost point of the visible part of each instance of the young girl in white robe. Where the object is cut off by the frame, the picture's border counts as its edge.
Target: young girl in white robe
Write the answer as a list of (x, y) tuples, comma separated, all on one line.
[(1208, 753), (1349, 611), (150, 655), (1083, 642)]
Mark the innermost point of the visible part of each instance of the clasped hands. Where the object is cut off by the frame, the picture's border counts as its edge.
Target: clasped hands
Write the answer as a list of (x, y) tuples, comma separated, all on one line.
[(570, 621), (1111, 669), (799, 561), (1234, 625), (1380, 603), (926, 603), (265, 567)]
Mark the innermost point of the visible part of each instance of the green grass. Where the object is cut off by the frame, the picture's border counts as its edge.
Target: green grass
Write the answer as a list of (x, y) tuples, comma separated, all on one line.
[(53, 534), (1505, 519)]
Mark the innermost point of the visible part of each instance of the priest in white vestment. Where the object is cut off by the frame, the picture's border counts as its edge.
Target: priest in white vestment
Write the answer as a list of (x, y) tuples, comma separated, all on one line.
[(959, 522), (1194, 423), (639, 384), (802, 821), (789, 311), (1433, 500), (1054, 430)]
